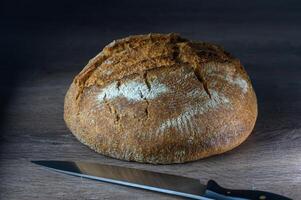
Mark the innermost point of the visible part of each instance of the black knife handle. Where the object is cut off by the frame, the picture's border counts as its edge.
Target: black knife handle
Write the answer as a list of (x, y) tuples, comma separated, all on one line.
[(217, 192)]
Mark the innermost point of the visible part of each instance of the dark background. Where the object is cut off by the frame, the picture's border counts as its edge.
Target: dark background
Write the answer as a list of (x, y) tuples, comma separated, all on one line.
[(45, 44)]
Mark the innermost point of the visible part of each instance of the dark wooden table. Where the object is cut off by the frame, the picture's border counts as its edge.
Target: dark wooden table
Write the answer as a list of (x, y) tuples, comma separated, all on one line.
[(265, 36)]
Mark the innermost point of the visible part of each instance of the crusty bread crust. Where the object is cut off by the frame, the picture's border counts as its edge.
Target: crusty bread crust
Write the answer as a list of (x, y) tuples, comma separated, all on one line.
[(161, 99)]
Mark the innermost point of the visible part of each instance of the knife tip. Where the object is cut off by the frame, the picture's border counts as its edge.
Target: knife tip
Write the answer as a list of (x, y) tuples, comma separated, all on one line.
[(37, 162)]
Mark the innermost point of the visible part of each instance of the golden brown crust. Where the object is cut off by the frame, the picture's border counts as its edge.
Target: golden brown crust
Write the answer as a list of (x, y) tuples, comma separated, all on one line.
[(159, 98)]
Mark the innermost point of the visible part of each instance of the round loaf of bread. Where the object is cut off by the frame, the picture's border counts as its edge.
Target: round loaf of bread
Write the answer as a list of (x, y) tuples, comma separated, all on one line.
[(161, 99)]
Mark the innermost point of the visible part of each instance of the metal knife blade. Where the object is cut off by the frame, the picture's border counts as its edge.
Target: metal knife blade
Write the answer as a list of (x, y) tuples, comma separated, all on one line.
[(159, 182)]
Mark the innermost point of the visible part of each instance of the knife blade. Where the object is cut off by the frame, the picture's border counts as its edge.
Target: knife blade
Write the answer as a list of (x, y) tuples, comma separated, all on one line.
[(154, 181)]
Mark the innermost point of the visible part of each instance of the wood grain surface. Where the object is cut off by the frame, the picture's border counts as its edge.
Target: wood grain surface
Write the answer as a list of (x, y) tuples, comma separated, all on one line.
[(50, 51)]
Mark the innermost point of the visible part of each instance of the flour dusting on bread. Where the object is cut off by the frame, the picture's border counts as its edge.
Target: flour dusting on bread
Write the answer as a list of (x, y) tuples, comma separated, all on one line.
[(232, 77), (184, 122), (196, 93), (132, 90), (243, 84)]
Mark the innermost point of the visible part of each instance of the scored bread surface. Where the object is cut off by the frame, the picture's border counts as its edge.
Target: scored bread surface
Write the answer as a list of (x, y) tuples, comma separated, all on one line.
[(162, 99)]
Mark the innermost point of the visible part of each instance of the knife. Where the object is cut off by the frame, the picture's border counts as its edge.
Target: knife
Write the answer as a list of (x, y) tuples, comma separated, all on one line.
[(154, 181)]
